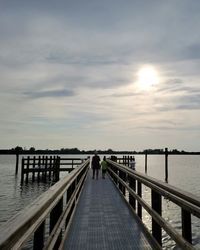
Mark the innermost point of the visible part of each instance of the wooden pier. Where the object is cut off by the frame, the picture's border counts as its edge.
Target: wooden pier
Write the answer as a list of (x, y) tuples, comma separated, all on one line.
[(44, 168), (83, 213)]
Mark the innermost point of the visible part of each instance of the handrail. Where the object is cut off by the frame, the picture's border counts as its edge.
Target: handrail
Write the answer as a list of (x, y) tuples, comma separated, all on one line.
[(31, 220), (189, 203)]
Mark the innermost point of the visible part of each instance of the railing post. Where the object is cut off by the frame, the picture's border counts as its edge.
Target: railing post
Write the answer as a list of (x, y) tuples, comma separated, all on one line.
[(115, 178), (186, 225), (166, 164), (120, 176), (145, 161), (132, 185), (54, 216), (156, 202), (139, 192), (38, 241)]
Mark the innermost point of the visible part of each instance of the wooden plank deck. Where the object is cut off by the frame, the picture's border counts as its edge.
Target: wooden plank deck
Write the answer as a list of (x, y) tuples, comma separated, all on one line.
[(104, 221)]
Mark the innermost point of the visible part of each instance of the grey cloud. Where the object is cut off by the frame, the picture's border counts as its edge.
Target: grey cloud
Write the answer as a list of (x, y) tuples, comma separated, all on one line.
[(180, 128), (124, 94), (49, 93), (177, 85), (184, 102)]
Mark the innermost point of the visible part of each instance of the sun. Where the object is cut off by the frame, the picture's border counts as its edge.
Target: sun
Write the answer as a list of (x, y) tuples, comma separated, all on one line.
[(147, 77)]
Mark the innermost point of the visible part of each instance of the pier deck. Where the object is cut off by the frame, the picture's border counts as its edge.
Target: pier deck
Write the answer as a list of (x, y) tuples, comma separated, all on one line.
[(103, 220)]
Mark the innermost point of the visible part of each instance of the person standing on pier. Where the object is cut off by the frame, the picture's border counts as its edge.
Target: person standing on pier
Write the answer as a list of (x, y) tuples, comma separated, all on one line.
[(104, 166), (95, 165), (132, 162)]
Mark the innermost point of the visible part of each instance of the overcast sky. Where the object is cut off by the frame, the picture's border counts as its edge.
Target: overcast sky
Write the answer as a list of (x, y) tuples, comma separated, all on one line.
[(69, 74)]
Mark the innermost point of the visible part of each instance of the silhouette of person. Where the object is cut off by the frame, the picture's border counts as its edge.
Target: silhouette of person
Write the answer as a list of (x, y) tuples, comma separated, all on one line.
[(95, 165), (104, 166), (132, 162)]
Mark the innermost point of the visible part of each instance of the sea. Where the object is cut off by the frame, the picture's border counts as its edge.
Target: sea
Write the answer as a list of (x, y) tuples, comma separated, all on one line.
[(183, 172)]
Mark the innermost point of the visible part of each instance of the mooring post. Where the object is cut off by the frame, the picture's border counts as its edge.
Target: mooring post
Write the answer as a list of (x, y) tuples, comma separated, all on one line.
[(17, 163), (166, 164), (145, 161)]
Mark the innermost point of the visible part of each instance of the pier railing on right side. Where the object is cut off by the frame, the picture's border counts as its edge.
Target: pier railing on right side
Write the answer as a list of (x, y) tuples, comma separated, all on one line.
[(128, 180)]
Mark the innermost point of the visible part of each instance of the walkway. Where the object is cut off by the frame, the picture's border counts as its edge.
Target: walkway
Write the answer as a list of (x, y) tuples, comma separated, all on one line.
[(104, 221)]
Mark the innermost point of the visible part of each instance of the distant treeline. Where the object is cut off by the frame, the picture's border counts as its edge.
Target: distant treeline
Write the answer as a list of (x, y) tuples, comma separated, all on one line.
[(32, 150)]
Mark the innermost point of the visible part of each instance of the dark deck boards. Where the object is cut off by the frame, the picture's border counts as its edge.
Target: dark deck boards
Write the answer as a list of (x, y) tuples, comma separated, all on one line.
[(104, 221)]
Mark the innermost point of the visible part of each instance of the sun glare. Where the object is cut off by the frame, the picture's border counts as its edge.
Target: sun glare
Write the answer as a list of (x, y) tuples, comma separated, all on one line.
[(147, 77)]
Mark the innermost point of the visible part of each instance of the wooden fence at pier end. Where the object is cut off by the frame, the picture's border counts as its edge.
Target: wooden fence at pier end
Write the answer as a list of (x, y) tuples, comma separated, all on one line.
[(46, 168)]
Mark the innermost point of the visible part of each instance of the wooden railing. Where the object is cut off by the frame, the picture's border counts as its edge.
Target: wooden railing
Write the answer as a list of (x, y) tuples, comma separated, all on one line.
[(46, 167), (53, 209), (129, 180)]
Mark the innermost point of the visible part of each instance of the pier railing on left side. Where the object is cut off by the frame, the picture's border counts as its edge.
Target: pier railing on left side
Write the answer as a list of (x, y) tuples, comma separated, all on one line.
[(53, 209)]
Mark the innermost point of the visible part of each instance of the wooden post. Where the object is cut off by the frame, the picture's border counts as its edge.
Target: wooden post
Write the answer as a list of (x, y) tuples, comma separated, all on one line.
[(186, 225), (45, 168), (38, 241), (27, 168), (72, 163), (57, 169), (132, 185), (22, 171), (166, 164), (33, 175), (39, 163), (156, 203), (17, 163), (145, 161), (54, 216), (120, 185), (50, 166), (122, 175), (139, 192)]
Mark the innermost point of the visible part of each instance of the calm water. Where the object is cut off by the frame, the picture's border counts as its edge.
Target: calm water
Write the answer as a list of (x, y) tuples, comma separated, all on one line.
[(184, 172)]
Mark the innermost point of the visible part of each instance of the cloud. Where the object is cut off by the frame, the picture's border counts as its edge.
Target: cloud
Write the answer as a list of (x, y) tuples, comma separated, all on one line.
[(50, 93)]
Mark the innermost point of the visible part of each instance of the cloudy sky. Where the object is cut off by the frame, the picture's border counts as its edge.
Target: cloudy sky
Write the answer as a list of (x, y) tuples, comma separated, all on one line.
[(69, 74)]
